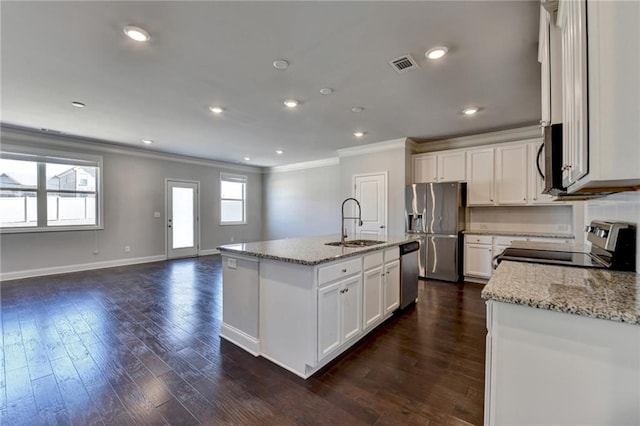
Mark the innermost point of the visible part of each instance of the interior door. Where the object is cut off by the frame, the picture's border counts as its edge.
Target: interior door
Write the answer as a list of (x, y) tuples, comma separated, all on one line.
[(182, 219), (371, 191)]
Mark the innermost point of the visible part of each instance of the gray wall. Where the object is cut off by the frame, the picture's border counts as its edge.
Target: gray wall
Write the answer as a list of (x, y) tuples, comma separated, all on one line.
[(134, 187), (301, 203), (393, 161)]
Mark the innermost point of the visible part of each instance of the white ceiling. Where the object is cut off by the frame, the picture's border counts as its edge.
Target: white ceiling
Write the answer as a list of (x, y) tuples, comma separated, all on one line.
[(221, 53)]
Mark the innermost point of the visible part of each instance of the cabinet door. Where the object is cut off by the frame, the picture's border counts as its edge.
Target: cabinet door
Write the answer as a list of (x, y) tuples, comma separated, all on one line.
[(511, 180), (351, 307), (572, 19), (373, 296), (425, 168), (480, 177), (477, 260), (391, 286), (536, 181), (452, 166), (545, 65), (329, 329)]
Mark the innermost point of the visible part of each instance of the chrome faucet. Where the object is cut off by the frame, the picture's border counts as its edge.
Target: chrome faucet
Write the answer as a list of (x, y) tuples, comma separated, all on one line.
[(343, 230)]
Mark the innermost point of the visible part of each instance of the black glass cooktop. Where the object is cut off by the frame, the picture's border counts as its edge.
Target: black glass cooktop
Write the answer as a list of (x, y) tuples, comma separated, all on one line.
[(549, 257)]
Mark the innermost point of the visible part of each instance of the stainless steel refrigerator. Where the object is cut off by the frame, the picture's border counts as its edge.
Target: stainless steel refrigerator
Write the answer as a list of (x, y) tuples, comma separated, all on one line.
[(435, 213)]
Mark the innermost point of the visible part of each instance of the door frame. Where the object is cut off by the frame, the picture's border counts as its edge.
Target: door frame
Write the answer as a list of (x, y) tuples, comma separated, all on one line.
[(166, 215), (386, 195)]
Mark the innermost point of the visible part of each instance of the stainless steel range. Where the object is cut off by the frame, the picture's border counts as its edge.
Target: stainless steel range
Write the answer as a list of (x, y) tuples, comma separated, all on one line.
[(613, 246)]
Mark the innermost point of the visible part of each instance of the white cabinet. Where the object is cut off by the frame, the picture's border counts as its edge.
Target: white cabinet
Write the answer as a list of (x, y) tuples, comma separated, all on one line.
[(480, 177), (477, 256), (511, 176), (339, 314), (373, 289), (391, 286), (600, 44), (549, 56), (446, 166)]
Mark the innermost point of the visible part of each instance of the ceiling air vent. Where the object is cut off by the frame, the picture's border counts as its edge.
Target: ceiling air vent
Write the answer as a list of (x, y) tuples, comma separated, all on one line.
[(403, 64)]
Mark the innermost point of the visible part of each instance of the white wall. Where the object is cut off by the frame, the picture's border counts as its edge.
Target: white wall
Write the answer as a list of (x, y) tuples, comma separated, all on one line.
[(624, 206), (301, 203), (550, 219), (393, 161), (134, 187)]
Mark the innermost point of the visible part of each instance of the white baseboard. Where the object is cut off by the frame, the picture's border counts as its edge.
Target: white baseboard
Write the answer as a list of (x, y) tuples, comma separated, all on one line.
[(28, 273), (240, 338), (208, 252), (476, 280)]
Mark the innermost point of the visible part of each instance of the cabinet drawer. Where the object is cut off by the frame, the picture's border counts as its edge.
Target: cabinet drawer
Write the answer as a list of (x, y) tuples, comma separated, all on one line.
[(372, 260), (506, 241), (392, 254), (338, 270), (478, 239)]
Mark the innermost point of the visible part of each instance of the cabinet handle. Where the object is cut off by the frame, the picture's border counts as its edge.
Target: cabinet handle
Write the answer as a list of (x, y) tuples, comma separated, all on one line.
[(346, 290), (525, 199), (344, 270)]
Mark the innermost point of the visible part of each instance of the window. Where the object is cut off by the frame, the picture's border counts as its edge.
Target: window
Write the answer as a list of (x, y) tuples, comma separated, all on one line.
[(45, 191), (233, 192)]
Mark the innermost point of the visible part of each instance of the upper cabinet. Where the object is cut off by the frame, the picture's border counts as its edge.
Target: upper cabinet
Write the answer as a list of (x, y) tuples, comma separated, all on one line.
[(600, 60), (481, 177), (440, 167), (511, 176)]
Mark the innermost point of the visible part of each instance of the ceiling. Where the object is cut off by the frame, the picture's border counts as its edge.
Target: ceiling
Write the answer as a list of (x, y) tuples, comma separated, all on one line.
[(205, 54)]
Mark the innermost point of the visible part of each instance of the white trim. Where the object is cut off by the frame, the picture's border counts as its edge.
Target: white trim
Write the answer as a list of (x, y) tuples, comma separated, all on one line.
[(240, 338), (302, 166), (19, 135), (373, 147), (518, 134), (208, 252), (28, 273)]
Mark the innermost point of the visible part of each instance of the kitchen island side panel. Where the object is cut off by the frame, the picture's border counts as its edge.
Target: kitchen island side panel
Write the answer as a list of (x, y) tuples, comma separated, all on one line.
[(288, 314)]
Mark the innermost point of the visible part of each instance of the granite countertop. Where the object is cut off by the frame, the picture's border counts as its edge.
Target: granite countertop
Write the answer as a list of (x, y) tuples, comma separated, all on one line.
[(596, 293), (306, 251), (520, 234), (539, 245)]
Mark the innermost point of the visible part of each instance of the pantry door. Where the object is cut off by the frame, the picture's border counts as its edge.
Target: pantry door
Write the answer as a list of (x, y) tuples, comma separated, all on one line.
[(183, 230), (371, 191)]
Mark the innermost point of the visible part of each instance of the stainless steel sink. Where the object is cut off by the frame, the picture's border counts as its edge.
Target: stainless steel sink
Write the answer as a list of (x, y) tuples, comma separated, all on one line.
[(356, 243)]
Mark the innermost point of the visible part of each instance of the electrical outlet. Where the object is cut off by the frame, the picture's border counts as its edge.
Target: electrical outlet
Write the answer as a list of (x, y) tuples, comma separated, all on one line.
[(232, 263), (232, 239), (562, 227), (95, 251), (483, 226), (156, 214), (127, 249)]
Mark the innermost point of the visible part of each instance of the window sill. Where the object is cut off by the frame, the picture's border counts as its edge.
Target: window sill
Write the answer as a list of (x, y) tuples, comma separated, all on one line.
[(232, 223), (31, 230)]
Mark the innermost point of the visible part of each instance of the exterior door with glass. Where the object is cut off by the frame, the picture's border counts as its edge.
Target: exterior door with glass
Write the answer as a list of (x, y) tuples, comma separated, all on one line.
[(183, 230)]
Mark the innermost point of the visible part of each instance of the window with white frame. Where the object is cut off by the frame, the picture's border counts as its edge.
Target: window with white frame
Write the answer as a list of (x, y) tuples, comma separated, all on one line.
[(233, 194), (44, 191)]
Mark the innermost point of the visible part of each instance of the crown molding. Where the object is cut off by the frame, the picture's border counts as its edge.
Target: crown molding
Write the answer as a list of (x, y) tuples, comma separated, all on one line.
[(302, 166), (16, 135), (373, 147), (511, 135)]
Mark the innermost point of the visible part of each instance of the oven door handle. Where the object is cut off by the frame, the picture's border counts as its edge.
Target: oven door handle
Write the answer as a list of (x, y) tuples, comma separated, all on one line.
[(538, 161)]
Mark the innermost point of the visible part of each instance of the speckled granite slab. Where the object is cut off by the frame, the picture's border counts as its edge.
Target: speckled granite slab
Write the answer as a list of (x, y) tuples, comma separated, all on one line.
[(305, 251), (520, 234), (596, 293)]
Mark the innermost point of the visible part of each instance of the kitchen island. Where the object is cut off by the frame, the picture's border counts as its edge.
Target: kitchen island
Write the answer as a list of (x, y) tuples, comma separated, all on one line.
[(563, 345), (300, 302)]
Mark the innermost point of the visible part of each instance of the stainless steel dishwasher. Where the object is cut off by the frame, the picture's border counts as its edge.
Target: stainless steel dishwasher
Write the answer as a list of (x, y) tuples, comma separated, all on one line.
[(409, 270)]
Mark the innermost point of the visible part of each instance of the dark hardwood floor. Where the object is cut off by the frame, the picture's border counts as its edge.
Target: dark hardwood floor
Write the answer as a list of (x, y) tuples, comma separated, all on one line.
[(140, 345)]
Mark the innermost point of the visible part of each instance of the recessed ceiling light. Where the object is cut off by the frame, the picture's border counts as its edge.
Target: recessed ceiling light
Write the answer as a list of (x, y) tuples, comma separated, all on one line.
[(280, 64), (147, 141), (77, 104), (326, 91), (357, 109), (136, 33), (279, 152), (359, 134), (436, 53), (247, 158), (216, 110), (470, 111), (291, 103)]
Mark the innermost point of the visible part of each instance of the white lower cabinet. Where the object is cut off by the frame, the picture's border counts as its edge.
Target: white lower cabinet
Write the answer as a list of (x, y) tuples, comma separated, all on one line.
[(339, 314), (477, 260), (391, 286), (372, 296)]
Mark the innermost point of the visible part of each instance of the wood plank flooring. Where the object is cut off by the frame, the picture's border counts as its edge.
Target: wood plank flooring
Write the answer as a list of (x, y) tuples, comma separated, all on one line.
[(140, 345)]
